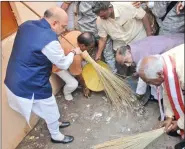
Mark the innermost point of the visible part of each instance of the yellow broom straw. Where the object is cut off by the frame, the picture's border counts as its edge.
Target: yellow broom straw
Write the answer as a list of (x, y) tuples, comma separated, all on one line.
[(138, 141), (117, 89)]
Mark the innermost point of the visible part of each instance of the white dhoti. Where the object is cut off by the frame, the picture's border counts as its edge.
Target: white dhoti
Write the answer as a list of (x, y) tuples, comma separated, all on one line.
[(44, 108), (71, 83), (142, 86)]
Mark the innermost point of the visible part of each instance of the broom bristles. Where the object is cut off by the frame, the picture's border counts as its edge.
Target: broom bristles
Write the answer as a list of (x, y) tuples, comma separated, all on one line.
[(118, 91), (139, 141)]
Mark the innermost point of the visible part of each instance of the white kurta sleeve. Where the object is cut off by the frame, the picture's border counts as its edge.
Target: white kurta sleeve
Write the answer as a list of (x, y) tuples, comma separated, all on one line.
[(54, 52)]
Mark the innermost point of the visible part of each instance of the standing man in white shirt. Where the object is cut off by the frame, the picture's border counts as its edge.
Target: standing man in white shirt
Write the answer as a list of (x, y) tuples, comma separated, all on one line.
[(122, 22), (35, 48), (84, 20)]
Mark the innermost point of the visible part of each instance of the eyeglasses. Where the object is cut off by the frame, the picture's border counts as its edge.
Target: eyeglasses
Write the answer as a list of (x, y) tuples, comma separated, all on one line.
[(63, 26)]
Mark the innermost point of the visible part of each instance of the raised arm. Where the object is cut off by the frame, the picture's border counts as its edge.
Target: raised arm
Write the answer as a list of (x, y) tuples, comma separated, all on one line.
[(54, 52)]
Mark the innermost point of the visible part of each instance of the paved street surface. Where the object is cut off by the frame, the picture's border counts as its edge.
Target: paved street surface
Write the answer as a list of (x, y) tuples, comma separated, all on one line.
[(93, 122)]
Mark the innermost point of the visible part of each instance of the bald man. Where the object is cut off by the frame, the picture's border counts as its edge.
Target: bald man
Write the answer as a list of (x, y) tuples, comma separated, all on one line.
[(168, 70), (35, 48)]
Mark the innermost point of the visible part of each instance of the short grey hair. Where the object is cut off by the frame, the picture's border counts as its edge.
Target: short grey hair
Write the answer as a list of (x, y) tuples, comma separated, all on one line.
[(122, 50), (152, 68), (48, 14)]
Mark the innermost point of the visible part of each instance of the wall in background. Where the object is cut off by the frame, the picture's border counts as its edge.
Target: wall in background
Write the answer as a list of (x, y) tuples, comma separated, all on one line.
[(14, 127)]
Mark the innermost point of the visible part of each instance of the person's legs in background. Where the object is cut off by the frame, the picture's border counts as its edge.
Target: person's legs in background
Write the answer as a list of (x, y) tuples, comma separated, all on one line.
[(109, 55)]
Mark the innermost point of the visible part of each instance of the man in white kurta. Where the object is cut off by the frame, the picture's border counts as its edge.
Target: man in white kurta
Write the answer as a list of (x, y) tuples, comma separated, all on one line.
[(168, 70), (36, 47)]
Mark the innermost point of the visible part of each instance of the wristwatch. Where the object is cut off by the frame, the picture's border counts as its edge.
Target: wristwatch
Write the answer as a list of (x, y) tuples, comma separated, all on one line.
[(73, 52)]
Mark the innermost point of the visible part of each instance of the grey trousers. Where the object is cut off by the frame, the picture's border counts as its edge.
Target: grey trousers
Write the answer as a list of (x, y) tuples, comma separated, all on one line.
[(109, 55)]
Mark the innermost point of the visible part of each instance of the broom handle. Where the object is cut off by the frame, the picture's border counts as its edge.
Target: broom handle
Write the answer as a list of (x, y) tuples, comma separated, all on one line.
[(40, 17), (31, 9)]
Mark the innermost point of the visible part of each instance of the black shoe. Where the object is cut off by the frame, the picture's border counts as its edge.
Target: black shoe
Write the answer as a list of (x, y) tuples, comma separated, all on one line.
[(67, 139), (143, 98), (173, 134), (180, 145), (151, 98), (64, 124)]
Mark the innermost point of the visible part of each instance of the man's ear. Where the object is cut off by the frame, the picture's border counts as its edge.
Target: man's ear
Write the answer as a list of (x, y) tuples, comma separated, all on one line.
[(82, 46), (129, 50), (78, 44), (54, 23), (160, 74), (117, 52)]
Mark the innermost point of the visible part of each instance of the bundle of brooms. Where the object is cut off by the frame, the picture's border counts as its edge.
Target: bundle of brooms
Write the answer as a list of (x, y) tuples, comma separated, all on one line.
[(118, 91), (138, 141)]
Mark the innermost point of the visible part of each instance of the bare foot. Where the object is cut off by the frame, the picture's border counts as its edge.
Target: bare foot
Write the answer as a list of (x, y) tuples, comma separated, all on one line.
[(86, 92)]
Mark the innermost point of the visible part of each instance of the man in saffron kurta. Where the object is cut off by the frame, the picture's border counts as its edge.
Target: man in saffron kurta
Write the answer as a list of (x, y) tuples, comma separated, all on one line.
[(168, 69), (35, 48)]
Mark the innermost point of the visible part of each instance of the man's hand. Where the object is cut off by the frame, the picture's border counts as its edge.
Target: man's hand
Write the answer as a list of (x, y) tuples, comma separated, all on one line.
[(147, 25), (167, 124), (98, 57), (101, 46), (137, 4), (180, 6), (65, 5), (77, 51), (173, 127), (150, 33)]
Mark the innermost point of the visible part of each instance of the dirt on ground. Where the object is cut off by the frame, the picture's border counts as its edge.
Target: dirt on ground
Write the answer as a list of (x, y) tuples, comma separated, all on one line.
[(93, 121)]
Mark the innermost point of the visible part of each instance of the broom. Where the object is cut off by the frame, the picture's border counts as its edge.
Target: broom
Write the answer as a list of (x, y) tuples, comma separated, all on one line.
[(138, 141), (120, 94)]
